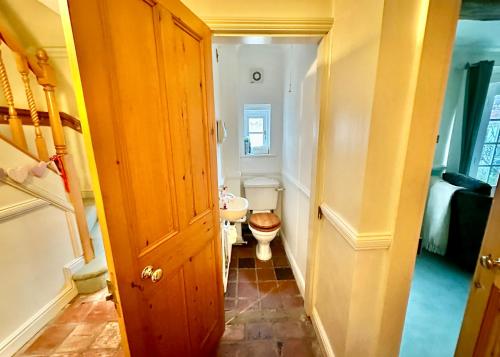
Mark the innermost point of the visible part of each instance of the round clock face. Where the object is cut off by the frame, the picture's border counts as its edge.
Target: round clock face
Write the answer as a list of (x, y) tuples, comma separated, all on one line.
[(256, 76)]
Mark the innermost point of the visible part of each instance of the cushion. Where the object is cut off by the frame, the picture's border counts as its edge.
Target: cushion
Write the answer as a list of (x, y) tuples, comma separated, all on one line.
[(468, 182)]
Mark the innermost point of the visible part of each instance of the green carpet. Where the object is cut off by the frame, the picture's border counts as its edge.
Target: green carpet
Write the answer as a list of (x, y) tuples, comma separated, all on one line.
[(436, 307)]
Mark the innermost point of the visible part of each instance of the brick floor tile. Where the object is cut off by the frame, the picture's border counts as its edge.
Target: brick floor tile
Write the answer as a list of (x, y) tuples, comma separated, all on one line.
[(102, 311), (268, 287), (229, 304), (109, 338), (233, 273), (247, 290), (246, 252), (298, 347), (271, 301), (247, 275), (280, 261), (76, 312), (99, 353), (81, 337), (279, 252), (266, 274), (259, 330), (234, 332), (50, 338), (289, 329), (248, 305), (290, 302), (263, 263), (231, 290), (234, 260), (232, 350), (246, 263), (288, 287), (262, 348)]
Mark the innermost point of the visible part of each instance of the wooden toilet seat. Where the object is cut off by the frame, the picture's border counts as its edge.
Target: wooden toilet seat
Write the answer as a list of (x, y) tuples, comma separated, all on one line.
[(264, 222)]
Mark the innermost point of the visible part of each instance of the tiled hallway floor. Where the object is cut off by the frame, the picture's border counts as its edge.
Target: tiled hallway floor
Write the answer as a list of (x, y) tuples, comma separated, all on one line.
[(264, 309), (88, 327), (264, 316)]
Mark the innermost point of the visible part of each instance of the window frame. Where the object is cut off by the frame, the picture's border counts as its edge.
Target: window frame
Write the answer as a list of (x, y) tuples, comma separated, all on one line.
[(257, 111), (493, 91)]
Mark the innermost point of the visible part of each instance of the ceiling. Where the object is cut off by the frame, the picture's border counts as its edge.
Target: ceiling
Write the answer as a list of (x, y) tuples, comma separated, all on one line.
[(478, 34)]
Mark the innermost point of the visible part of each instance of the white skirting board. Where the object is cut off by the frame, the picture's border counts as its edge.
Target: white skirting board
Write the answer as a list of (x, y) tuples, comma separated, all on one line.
[(35, 323), (299, 277), (322, 336)]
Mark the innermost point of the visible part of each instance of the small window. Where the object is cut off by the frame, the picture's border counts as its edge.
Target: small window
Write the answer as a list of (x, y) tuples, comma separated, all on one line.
[(488, 152), (257, 129)]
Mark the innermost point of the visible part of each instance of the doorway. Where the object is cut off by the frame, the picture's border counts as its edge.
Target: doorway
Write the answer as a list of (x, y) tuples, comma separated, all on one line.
[(265, 105), (460, 196)]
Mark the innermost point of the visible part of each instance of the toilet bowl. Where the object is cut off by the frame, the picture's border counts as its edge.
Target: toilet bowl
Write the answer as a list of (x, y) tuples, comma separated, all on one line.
[(264, 227)]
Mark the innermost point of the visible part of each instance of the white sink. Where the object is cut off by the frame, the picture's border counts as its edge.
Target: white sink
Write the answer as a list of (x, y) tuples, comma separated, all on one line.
[(236, 208)]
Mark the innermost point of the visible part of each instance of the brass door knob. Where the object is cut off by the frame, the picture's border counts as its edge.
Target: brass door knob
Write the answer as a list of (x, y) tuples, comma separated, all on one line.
[(157, 275), (488, 262), (151, 273), (147, 272)]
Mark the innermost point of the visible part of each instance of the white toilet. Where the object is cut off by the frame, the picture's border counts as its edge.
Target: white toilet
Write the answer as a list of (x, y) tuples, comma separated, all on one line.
[(262, 195)]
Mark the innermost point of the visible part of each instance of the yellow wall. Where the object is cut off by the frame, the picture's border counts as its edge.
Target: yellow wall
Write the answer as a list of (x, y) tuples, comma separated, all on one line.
[(363, 254), (260, 8)]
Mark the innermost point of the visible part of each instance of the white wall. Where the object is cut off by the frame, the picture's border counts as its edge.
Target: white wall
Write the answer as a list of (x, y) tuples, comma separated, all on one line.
[(300, 113), (235, 63), (39, 249)]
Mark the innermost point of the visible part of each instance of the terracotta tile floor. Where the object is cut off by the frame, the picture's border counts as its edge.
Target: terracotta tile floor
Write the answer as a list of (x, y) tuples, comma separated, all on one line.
[(264, 309), (88, 327), (264, 316)]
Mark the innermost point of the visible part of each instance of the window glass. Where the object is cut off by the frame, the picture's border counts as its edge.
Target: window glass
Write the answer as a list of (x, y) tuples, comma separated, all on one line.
[(488, 164), (256, 129), (256, 140), (256, 125)]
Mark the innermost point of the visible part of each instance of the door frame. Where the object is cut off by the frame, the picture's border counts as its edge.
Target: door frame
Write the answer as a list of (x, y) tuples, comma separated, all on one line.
[(220, 27), (439, 37)]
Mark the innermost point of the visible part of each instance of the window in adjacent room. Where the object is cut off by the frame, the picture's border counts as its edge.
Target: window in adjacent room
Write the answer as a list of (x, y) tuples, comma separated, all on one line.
[(257, 129), (486, 163)]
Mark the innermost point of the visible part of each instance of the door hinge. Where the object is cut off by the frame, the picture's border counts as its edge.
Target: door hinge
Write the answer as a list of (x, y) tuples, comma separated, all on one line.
[(320, 213), (216, 55)]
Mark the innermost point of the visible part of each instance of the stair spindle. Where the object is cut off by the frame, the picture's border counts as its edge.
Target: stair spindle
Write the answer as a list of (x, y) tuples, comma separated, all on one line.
[(41, 145), (15, 123)]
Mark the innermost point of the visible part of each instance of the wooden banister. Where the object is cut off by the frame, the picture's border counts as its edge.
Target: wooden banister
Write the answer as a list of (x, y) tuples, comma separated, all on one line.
[(45, 76), (13, 44), (46, 79), (16, 126)]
